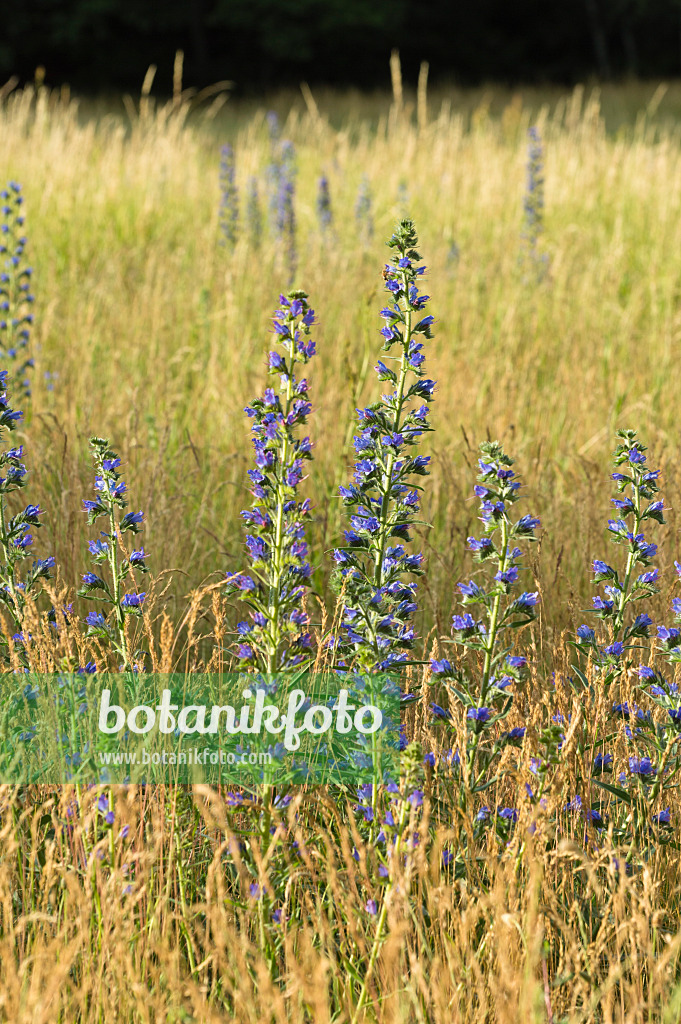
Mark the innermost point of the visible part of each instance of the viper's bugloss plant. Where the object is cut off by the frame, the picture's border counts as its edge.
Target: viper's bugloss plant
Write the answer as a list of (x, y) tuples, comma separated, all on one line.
[(364, 211), (399, 838), (277, 637), (532, 261), (113, 564), (16, 300), (273, 171), (636, 507), (373, 565), (286, 213), (280, 177), (229, 202), (254, 213), (484, 637), (324, 211), (611, 651), (654, 778), (16, 540)]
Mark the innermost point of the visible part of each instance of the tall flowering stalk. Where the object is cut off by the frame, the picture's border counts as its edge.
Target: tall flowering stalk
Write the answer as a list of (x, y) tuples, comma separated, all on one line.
[(286, 212), (486, 695), (654, 778), (533, 206), (405, 801), (113, 564), (653, 747), (636, 505), (274, 589), (273, 171), (15, 296), (324, 211), (16, 540), (280, 177), (254, 213), (229, 203), (364, 211), (383, 500)]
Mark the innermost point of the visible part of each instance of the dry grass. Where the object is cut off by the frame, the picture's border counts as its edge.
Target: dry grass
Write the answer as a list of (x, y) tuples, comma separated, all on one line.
[(158, 336), (160, 925)]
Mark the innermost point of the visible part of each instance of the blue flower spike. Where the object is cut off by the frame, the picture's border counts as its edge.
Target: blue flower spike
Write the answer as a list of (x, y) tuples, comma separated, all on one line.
[(16, 300), (275, 588), (374, 567), (109, 584), (16, 534)]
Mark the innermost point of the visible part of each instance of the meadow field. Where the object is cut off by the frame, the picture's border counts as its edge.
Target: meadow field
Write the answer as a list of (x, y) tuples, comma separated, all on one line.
[(152, 324)]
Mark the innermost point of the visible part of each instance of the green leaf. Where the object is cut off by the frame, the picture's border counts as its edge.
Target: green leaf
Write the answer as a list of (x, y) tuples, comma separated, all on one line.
[(485, 785), (621, 794), (580, 675)]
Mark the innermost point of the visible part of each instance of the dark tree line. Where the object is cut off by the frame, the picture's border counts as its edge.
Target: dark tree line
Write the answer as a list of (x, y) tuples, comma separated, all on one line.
[(108, 44)]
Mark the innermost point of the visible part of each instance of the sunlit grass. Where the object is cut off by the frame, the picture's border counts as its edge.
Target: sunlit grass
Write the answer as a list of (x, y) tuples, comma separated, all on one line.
[(159, 336)]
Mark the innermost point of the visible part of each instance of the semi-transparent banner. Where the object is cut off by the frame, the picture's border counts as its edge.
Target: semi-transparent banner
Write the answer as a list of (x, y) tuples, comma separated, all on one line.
[(314, 728)]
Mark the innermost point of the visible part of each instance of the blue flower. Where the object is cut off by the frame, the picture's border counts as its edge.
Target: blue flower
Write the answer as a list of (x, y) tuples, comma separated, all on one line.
[(104, 809), (131, 520), (484, 544), (602, 762), (470, 590), (93, 582), (526, 600), (480, 715), (96, 619), (641, 766), (465, 624), (527, 524), (640, 625)]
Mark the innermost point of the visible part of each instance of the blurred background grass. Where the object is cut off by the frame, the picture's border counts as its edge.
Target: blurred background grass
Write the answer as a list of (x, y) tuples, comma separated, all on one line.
[(159, 335)]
